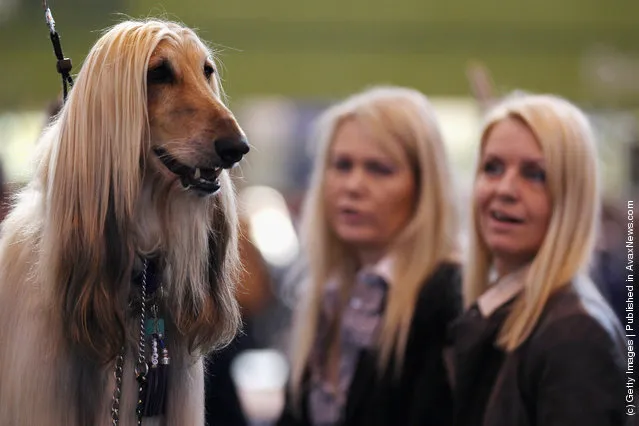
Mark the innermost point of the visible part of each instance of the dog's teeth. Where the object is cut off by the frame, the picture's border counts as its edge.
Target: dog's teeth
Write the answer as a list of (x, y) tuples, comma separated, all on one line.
[(197, 173)]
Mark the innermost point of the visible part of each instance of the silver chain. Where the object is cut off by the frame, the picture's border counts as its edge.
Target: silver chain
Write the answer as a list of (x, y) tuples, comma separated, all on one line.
[(117, 393), (141, 368)]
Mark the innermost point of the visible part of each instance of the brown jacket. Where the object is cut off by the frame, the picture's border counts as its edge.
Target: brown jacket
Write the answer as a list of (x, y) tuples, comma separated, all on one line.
[(571, 371)]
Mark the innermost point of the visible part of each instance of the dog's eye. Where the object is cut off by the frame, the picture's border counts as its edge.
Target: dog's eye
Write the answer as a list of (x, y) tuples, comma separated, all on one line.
[(208, 71), (160, 74)]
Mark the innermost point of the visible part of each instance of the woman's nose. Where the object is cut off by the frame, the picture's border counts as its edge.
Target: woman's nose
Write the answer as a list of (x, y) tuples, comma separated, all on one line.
[(508, 186), (355, 180)]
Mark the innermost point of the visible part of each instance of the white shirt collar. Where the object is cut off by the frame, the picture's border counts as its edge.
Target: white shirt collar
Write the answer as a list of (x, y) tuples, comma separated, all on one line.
[(384, 268), (502, 291)]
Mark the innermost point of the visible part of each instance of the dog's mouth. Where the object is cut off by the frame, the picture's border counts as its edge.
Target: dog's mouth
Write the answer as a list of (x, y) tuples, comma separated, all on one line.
[(203, 180)]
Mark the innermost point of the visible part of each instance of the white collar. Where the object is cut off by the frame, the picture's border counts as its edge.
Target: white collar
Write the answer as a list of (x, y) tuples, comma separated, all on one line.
[(384, 268), (502, 291)]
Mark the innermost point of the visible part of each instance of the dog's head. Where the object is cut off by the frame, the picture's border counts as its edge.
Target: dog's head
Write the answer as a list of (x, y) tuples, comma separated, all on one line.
[(145, 113), (148, 96), (192, 132)]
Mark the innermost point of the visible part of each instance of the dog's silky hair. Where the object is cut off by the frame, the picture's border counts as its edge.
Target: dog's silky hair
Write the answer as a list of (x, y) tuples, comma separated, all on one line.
[(68, 246), (92, 172), (568, 146), (404, 124)]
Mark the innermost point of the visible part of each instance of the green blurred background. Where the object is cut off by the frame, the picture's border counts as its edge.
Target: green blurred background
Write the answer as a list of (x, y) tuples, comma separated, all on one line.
[(330, 48), (284, 60)]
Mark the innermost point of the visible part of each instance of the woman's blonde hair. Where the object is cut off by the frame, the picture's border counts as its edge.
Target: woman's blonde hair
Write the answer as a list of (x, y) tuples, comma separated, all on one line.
[(567, 142), (404, 123)]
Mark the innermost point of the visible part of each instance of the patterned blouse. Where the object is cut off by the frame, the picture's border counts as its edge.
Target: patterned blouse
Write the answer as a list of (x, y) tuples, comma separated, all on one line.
[(358, 329)]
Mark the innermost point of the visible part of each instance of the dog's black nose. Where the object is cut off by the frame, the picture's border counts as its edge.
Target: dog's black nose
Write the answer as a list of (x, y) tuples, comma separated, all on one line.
[(231, 150)]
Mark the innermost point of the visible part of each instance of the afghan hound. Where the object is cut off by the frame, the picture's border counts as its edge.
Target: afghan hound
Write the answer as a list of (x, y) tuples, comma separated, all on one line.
[(118, 260)]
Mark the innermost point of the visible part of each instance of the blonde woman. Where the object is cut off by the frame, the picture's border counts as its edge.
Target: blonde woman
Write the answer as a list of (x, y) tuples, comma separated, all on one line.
[(538, 344), (383, 283)]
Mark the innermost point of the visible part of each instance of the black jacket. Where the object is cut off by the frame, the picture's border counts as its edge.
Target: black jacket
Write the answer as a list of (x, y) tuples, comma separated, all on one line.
[(421, 395), (569, 372)]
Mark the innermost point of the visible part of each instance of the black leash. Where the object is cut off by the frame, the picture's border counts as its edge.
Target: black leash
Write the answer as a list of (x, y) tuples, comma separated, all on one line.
[(63, 64)]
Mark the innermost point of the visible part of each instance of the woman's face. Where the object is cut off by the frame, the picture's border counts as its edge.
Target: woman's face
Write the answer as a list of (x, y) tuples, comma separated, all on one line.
[(369, 195), (511, 195)]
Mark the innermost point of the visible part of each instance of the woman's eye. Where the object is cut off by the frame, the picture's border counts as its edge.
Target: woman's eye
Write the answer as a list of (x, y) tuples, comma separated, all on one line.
[(535, 173), (492, 167), (379, 168), (342, 164)]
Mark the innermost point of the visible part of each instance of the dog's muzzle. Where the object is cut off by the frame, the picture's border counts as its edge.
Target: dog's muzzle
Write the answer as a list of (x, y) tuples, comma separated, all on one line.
[(205, 180)]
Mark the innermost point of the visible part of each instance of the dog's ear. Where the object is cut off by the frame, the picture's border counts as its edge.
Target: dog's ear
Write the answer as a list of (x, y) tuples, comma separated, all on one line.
[(216, 323), (222, 237), (94, 275), (93, 183), (224, 264)]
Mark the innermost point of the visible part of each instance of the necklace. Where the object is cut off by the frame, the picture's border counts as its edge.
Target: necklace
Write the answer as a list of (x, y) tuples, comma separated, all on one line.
[(150, 369)]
